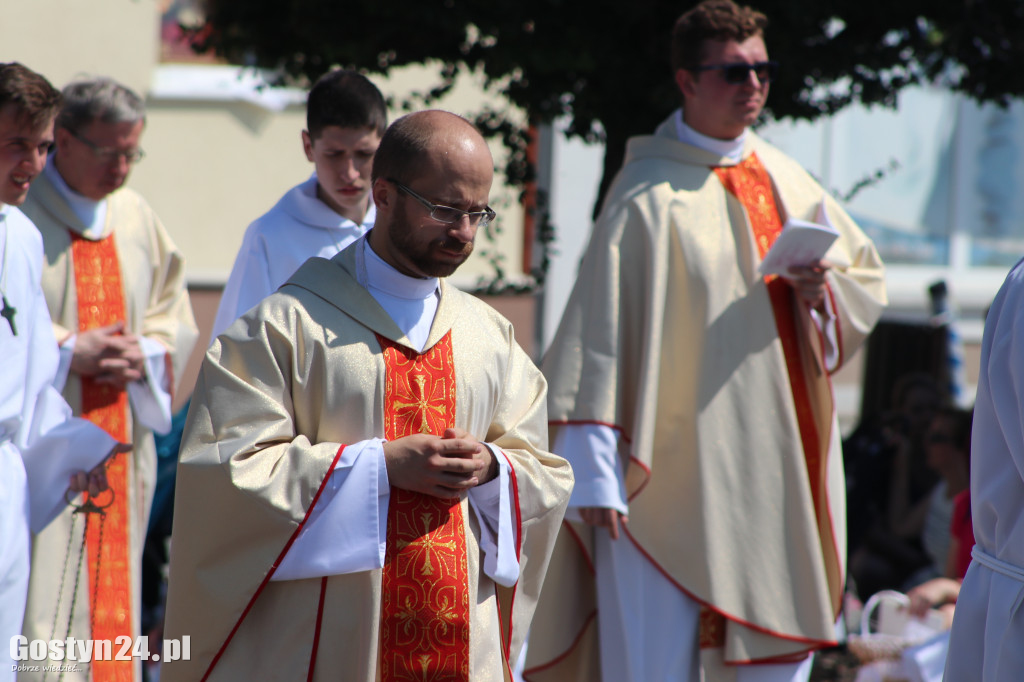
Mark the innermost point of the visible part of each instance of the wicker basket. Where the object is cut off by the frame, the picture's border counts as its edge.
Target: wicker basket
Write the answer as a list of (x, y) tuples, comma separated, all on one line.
[(887, 644)]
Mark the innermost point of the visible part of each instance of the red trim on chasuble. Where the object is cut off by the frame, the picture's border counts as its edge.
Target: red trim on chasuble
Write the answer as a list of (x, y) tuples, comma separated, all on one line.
[(751, 183), (316, 632), (108, 540), (273, 570), (506, 638), (424, 630)]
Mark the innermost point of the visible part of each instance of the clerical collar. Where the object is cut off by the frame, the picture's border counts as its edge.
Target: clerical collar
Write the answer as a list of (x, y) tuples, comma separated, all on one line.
[(92, 213), (731, 149), (381, 275)]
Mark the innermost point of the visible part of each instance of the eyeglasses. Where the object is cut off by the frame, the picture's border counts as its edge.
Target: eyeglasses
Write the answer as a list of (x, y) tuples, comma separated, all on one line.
[(735, 74), (448, 214), (108, 154)]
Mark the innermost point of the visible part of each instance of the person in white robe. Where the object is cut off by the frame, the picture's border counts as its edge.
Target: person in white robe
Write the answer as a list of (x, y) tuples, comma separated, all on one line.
[(345, 118), (988, 624), (114, 284), (41, 445)]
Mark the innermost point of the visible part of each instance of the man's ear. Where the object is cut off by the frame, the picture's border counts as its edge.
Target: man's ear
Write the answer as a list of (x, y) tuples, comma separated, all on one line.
[(61, 136), (686, 82), (383, 193), (307, 145)]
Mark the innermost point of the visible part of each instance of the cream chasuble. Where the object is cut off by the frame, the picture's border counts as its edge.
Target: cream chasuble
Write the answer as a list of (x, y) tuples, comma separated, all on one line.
[(316, 366), (131, 271), (721, 397)]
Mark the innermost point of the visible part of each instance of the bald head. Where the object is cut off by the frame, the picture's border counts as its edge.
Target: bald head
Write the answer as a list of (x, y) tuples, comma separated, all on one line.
[(414, 140), (425, 160)]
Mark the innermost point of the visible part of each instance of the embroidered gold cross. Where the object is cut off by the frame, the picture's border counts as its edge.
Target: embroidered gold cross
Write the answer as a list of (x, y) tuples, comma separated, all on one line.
[(421, 405), (428, 544)]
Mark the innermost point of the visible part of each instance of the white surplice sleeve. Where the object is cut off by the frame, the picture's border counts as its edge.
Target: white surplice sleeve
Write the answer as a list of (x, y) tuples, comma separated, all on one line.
[(491, 503), (346, 531), (827, 324), (593, 452), (151, 398), (347, 527)]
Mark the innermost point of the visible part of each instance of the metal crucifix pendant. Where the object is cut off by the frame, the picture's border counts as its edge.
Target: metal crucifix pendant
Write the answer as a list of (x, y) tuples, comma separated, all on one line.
[(8, 314)]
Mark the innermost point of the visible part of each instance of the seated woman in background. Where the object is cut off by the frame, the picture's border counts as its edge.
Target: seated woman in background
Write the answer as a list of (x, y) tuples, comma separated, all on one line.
[(950, 437), (889, 483)]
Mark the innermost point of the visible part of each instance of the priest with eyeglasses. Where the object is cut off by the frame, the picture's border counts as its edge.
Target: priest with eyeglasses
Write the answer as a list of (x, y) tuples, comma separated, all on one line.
[(690, 390), (364, 491)]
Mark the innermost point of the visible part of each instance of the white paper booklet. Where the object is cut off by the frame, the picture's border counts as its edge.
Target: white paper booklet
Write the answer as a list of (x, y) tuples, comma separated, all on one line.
[(800, 242)]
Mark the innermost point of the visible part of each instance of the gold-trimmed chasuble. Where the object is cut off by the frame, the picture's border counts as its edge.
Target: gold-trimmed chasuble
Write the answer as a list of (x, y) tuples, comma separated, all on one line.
[(100, 303), (424, 634)]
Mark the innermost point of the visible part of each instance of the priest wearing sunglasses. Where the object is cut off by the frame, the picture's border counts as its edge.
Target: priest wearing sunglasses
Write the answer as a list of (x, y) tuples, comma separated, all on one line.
[(690, 390)]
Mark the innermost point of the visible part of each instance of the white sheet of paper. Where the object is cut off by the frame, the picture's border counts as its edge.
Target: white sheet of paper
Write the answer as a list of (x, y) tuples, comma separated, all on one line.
[(800, 242)]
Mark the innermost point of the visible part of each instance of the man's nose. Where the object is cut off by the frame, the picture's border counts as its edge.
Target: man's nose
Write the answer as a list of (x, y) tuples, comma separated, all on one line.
[(37, 159), (464, 228), (753, 80), (120, 164), (349, 171)]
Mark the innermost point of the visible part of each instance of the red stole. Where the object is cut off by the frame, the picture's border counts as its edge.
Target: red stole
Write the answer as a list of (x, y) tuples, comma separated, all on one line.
[(424, 633), (108, 540)]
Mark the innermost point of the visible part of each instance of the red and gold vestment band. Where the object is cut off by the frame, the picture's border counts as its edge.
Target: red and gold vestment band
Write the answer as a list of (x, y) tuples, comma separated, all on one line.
[(100, 303), (669, 334), (424, 632), (323, 367), (750, 182)]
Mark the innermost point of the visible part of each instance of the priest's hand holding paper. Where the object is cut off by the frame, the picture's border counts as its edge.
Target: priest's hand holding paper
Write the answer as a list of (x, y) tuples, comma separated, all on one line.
[(439, 466), (808, 281), (798, 256)]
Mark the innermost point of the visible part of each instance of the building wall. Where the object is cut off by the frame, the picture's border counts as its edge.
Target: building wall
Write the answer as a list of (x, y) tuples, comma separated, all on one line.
[(64, 38), (220, 149)]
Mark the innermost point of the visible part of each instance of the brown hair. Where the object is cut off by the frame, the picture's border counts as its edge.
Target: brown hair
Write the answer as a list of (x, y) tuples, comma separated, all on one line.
[(346, 99), (34, 99), (712, 20)]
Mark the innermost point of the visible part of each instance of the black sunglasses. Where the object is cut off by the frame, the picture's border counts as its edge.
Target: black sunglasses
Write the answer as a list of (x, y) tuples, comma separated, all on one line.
[(739, 73)]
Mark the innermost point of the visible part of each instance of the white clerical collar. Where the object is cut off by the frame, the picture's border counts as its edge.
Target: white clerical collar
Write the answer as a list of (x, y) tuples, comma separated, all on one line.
[(91, 212), (731, 149), (381, 275)]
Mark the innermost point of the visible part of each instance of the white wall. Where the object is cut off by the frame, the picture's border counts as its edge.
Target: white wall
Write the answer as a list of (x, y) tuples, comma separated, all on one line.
[(219, 151)]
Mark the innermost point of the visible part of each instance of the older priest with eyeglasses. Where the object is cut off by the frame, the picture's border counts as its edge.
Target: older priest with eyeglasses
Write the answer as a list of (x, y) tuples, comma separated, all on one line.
[(364, 491), (690, 391)]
